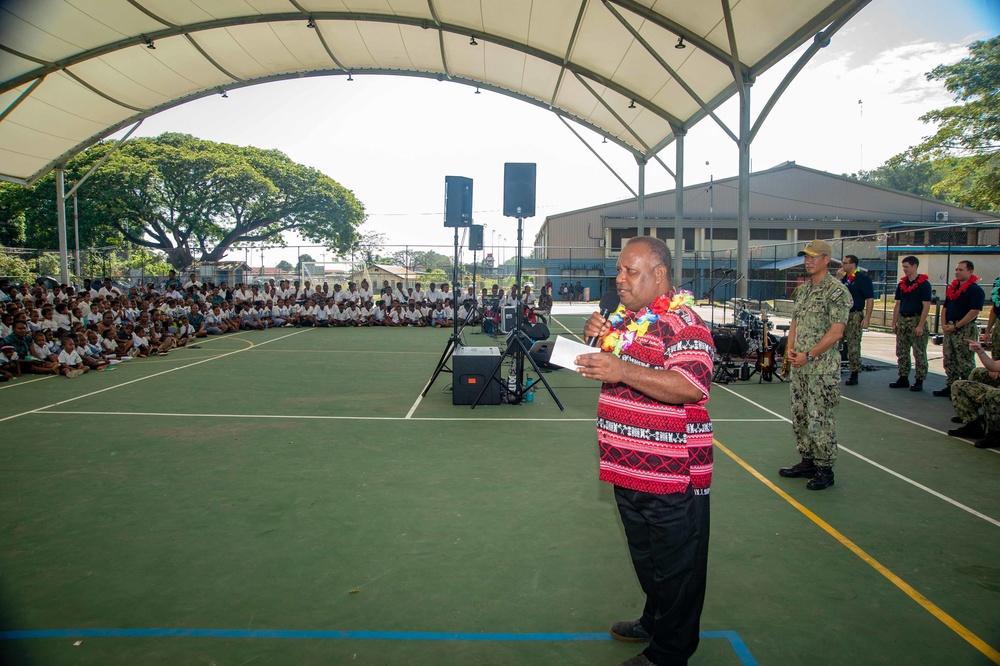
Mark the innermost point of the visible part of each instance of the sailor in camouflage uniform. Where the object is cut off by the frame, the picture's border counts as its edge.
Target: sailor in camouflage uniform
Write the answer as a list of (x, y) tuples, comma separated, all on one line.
[(820, 314), (992, 326), (980, 392)]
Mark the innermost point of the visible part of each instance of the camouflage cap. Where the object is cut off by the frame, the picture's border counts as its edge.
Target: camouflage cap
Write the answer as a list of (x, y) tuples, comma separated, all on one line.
[(814, 248)]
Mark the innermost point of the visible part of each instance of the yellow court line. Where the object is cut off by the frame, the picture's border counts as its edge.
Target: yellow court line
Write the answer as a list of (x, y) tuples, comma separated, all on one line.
[(348, 351), (950, 622)]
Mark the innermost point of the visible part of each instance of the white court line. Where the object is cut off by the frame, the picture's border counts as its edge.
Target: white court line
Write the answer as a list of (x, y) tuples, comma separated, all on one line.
[(881, 467), (906, 420), (567, 330), (157, 374), (309, 417), (37, 379), (420, 396), (331, 417)]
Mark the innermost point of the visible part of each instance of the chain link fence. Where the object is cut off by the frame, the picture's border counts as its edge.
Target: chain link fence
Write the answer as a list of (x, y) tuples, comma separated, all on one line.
[(776, 270)]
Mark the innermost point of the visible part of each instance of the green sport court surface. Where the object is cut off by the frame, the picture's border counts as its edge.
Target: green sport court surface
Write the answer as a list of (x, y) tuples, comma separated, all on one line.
[(285, 497)]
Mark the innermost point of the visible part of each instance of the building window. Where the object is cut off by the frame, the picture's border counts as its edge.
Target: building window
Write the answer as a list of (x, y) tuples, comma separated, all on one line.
[(849, 233), (769, 234), (666, 234), (620, 235), (814, 234), (723, 234)]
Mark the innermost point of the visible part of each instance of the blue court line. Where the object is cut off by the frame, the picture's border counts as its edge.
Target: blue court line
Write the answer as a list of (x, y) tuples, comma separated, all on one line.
[(734, 638)]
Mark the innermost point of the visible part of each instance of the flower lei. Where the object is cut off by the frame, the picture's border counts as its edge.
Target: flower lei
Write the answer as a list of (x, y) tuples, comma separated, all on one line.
[(908, 288), (618, 341), (956, 288), (995, 296), (849, 277)]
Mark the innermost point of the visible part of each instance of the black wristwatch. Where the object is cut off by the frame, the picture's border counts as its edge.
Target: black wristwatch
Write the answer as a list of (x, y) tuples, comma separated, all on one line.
[(810, 358)]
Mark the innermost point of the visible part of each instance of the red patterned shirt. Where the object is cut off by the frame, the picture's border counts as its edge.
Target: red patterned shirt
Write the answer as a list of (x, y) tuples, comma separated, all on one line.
[(647, 445)]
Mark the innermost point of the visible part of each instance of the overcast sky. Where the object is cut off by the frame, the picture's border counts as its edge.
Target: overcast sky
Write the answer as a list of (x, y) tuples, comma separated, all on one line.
[(392, 140)]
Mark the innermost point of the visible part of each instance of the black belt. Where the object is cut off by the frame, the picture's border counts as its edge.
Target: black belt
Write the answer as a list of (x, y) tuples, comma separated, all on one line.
[(912, 314)]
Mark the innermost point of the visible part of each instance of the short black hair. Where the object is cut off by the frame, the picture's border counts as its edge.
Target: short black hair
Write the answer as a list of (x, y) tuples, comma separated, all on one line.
[(911, 260), (968, 264), (851, 259), (658, 248)]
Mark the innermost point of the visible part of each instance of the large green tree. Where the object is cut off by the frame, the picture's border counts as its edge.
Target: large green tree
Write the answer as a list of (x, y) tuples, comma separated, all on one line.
[(193, 199), (970, 129)]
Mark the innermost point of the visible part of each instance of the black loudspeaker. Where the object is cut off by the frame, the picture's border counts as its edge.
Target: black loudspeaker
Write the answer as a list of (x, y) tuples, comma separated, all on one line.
[(541, 352), (509, 321), (457, 201), (537, 331), (476, 237), (519, 189), (472, 368), (730, 343)]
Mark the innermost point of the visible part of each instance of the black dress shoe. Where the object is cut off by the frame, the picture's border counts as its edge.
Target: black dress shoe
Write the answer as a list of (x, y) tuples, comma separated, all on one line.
[(957, 419), (902, 382), (822, 480), (918, 385), (630, 631), (943, 393), (852, 380), (806, 468), (971, 430)]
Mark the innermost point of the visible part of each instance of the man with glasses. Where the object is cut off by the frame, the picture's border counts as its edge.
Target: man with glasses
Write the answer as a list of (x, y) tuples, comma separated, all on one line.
[(820, 314)]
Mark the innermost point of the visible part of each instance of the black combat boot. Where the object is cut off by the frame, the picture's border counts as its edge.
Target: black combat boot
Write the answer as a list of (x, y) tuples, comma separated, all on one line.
[(990, 441), (823, 478), (918, 385), (943, 393), (852, 380), (902, 382), (971, 430), (806, 468)]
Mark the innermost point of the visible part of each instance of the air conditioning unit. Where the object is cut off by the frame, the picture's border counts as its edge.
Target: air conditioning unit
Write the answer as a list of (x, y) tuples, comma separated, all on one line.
[(941, 216)]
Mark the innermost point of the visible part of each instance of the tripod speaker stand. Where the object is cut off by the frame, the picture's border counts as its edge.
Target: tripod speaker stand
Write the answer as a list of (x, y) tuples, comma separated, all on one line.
[(457, 213), (519, 202)]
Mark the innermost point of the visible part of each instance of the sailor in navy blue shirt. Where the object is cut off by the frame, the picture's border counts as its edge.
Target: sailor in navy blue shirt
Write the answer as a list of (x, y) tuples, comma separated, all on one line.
[(962, 304)]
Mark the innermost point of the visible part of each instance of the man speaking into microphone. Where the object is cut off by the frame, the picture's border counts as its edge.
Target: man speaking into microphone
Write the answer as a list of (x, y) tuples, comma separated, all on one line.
[(655, 441)]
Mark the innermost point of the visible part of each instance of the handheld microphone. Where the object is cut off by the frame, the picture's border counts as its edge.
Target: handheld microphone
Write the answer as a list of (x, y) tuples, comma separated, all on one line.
[(609, 303)]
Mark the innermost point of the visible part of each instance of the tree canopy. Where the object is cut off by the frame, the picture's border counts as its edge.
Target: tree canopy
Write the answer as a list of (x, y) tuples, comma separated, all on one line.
[(969, 132), (960, 162), (192, 199)]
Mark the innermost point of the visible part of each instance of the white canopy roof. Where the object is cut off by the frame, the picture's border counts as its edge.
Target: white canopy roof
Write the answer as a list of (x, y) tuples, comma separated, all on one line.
[(75, 71)]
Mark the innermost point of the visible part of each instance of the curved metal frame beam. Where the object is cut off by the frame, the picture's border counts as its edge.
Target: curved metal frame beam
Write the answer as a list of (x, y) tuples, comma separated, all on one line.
[(426, 24), (437, 76)]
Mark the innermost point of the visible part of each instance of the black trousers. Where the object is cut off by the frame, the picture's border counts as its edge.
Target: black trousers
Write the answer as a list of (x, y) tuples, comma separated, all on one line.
[(668, 541)]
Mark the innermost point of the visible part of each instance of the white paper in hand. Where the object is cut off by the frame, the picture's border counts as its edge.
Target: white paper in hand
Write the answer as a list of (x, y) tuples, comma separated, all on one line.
[(565, 351)]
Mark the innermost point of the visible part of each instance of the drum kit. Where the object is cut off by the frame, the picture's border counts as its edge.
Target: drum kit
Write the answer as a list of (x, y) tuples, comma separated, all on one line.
[(749, 338)]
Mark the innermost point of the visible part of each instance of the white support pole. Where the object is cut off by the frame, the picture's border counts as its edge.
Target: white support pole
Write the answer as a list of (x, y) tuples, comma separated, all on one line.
[(61, 224), (743, 236), (678, 275), (641, 198), (76, 236)]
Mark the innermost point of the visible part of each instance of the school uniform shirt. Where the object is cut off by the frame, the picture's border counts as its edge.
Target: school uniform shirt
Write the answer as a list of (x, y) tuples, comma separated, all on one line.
[(394, 317), (353, 314), (365, 294), (139, 342), (379, 315), (49, 325), (434, 296), (322, 313), (84, 307), (449, 313), (93, 318), (240, 295), (109, 345), (34, 326), (71, 358), (93, 351), (413, 316)]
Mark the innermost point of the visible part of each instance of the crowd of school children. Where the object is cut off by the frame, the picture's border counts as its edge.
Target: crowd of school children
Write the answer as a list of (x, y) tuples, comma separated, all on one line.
[(69, 332)]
